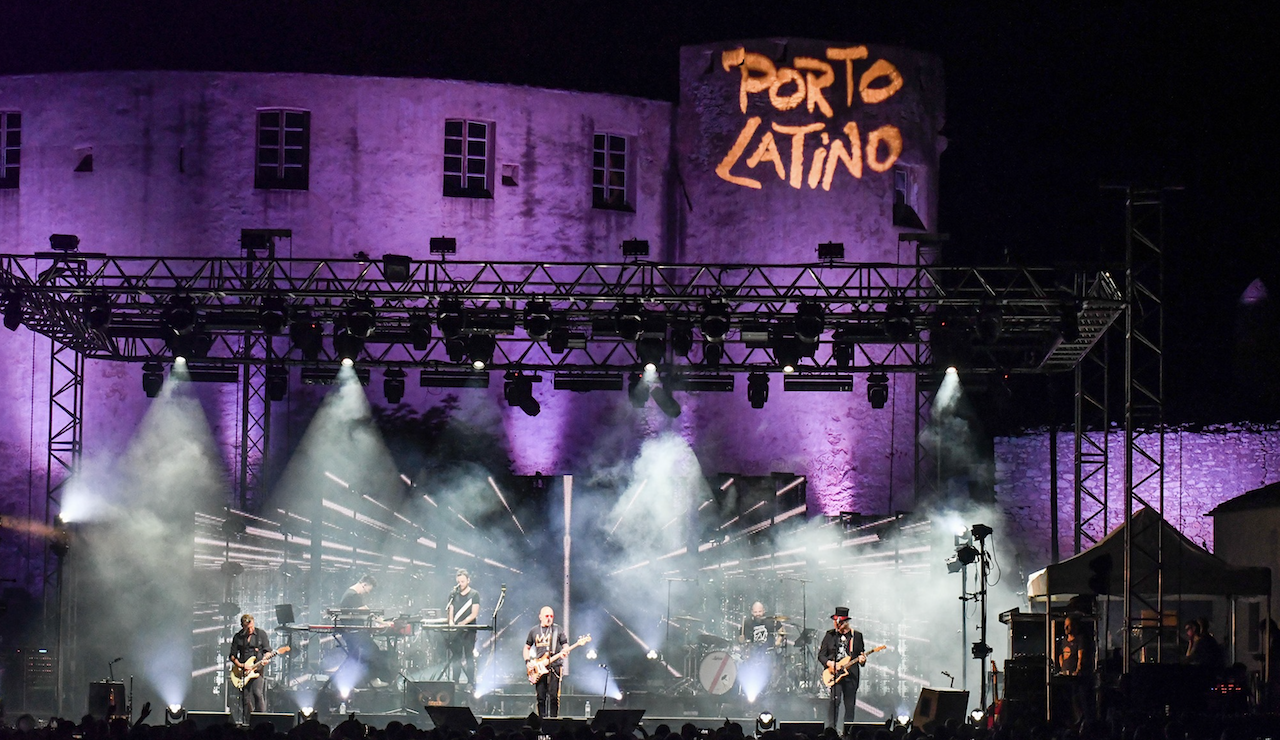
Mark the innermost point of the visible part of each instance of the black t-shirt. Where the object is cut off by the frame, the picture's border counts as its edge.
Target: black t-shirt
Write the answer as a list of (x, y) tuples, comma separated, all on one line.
[(546, 640), (353, 599), (245, 646), (758, 631)]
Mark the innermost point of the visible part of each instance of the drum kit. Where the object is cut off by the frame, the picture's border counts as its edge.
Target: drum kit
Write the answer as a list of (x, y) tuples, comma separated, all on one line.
[(718, 665)]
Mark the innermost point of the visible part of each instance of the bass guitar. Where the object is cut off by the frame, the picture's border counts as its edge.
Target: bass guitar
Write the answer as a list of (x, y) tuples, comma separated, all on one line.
[(252, 666), (539, 667), (831, 678)]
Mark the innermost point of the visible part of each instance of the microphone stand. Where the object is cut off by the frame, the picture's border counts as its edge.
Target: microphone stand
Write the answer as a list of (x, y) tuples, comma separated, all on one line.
[(604, 693)]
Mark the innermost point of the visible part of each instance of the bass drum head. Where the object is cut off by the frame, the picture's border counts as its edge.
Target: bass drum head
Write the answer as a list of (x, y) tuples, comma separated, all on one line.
[(717, 672)]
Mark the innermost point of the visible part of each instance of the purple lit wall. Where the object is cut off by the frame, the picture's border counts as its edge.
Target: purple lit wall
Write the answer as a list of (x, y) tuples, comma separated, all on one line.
[(173, 157), (1203, 469)]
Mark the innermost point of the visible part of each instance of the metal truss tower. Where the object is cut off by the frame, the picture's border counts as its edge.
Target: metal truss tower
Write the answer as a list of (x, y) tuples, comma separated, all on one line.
[(1144, 417)]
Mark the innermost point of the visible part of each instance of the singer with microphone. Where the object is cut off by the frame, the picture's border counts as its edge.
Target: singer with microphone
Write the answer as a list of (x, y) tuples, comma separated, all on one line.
[(249, 648), (463, 609)]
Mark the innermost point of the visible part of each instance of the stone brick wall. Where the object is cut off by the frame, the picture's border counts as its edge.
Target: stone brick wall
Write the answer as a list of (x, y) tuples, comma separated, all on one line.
[(1203, 468)]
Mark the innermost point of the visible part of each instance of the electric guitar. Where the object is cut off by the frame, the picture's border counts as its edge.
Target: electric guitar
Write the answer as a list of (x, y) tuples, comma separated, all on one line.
[(831, 678), (539, 667), (242, 676)]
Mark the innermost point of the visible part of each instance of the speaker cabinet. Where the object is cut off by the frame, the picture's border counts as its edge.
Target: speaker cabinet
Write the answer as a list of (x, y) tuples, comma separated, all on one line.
[(936, 706), (105, 695)]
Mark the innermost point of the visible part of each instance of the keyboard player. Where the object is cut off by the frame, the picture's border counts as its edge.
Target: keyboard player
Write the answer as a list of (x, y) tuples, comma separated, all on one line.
[(463, 609), (356, 632)]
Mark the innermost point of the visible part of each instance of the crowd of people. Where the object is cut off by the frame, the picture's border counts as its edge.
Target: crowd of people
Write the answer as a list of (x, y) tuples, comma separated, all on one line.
[(1135, 727)]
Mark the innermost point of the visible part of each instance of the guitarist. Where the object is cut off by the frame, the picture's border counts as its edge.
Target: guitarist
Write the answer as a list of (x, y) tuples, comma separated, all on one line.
[(840, 642), (249, 643), (547, 639)]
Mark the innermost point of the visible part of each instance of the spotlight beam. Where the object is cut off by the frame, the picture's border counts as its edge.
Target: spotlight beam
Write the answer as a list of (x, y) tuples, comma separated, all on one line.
[(493, 484), (627, 508), (642, 643)]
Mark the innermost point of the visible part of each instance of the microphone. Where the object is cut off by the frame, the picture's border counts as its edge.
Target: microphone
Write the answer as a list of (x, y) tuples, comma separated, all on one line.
[(948, 675), (117, 660)]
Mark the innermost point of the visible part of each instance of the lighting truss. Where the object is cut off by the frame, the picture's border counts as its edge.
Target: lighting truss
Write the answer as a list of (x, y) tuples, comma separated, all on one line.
[(856, 299)]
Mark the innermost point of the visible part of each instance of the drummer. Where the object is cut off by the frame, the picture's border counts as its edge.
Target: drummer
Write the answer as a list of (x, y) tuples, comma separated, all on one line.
[(758, 631)]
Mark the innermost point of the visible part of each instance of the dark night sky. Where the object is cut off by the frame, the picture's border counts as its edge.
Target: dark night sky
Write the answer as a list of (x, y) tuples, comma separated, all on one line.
[(1045, 101)]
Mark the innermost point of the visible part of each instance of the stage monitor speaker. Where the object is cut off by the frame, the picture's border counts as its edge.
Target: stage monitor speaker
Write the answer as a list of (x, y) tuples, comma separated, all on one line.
[(103, 695), (205, 720), (448, 718), (281, 721), (623, 720), (428, 693), (936, 706), (504, 725)]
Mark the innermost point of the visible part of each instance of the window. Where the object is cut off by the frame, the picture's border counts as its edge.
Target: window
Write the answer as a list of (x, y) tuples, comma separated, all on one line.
[(468, 164), (10, 148), (284, 150), (609, 173), (904, 212)]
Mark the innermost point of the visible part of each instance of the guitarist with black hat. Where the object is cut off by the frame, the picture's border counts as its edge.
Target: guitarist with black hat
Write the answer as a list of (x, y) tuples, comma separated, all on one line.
[(249, 649), (842, 653)]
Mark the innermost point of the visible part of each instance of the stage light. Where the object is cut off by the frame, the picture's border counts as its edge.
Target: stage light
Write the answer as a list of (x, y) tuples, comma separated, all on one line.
[(681, 339), (765, 722), (442, 245), (877, 390), (558, 340), (629, 319), (305, 714), (712, 353), (757, 389), (180, 361), (64, 242), (981, 532), (456, 349), (480, 348), (786, 353), (810, 321), (989, 324), (451, 317), (637, 390), (831, 251), (951, 370), (537, 319), (715, 319), (360, 318), (899, 322), (277, 382), (174, 714), (976, 716), (841, 351), (393, 384), (12, 311), (635, 248), (347, 362), (395, 267), (904, 720), (592, 654), (651, 655), (152, 378), (97, 311), (665, 401), (518, 392), (651, 351), (954, 565), (966, 554), (273, 315), (179, 314), (307, 335), (346, 345), (420, 331)]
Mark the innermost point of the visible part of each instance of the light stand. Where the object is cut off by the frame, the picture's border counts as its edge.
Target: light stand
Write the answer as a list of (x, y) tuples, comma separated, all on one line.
[(980, 648)]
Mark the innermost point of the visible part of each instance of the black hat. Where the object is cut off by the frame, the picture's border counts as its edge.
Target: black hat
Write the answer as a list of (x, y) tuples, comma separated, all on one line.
[(842, 612)]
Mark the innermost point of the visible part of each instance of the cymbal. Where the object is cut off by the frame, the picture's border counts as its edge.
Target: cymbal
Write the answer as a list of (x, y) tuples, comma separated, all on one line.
[(685, 619), (780, 618)]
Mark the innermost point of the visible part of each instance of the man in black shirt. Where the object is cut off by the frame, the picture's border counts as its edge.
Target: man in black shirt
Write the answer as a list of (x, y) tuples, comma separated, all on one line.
[(547, 639), (357, 597), (839, 643), (249, 643), (463, 608), (757, 631)]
